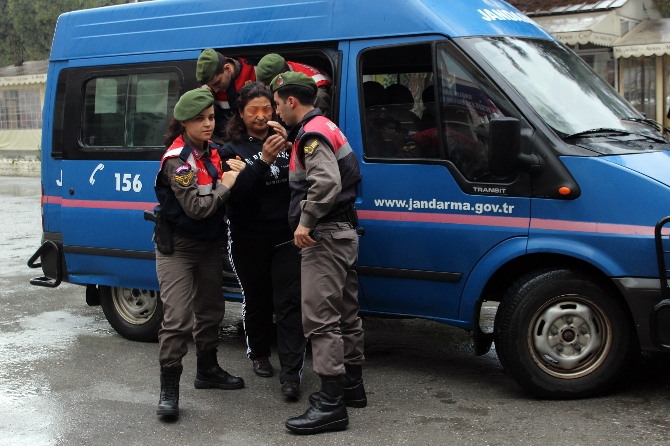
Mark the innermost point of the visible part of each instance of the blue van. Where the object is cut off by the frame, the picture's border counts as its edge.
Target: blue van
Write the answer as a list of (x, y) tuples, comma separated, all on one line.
[(497, 167)]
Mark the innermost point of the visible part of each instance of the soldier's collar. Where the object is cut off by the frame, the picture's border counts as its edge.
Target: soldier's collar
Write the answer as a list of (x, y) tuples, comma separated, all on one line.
[(198, 152)]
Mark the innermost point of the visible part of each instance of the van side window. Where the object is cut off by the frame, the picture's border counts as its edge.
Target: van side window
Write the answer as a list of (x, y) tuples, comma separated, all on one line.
[(59, 114), (397, 102), (467, 103), (128, 111)]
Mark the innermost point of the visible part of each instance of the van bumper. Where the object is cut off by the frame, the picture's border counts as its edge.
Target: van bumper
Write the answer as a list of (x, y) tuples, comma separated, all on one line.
[(641, 295)]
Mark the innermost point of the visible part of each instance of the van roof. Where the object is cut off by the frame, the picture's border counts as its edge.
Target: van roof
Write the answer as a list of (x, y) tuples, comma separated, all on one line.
[(186, 25)]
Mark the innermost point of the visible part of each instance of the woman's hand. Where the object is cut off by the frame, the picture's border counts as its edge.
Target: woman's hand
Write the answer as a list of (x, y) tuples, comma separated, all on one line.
[(272, 146), (236, 165), (228, 178)]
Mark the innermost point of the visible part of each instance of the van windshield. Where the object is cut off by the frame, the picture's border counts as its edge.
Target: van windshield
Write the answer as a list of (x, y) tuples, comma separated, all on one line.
[(562, 88)]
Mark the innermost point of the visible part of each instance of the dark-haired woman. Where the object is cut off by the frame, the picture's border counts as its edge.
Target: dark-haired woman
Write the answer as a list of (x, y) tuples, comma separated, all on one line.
[(191, 189), (266, 263)]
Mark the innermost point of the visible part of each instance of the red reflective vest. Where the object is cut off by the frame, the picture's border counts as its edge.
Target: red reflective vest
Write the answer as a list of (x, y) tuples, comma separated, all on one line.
[(315, 125), (195, 159), (209, 228), (321, 78)]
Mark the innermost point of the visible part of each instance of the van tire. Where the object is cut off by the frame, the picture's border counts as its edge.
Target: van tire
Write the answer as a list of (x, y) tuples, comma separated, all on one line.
[(561, 336), (135, 314)]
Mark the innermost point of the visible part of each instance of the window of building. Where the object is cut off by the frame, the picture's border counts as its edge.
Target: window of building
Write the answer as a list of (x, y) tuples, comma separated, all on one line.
[(600, 59), (639, 83), (20, 109), (129, 110), (602, 63)]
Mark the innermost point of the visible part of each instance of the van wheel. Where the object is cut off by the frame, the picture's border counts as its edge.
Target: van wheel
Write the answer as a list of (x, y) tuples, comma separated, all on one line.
[(135, 314), (560, 335)]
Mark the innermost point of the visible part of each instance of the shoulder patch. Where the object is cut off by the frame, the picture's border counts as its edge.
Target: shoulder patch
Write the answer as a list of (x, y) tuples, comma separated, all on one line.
[(184, 174), (309, 148), (409, 146)]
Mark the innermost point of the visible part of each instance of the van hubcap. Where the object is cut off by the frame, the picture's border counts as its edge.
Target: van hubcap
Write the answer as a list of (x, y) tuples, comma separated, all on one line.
[(135, 306), (569, 336)]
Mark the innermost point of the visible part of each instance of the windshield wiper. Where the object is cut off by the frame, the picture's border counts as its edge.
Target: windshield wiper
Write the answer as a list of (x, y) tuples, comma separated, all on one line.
[(598, 130), (647, 121)]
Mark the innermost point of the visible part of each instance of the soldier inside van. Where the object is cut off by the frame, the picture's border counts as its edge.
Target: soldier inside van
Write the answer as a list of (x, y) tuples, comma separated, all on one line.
[(223, 76), (272, 65)]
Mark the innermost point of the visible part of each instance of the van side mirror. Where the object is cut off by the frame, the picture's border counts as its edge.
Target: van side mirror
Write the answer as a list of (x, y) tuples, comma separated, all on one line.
[(505, 148), (504, 145)]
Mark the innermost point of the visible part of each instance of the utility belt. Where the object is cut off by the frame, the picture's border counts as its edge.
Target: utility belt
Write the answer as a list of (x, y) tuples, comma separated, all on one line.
[(345, 215)]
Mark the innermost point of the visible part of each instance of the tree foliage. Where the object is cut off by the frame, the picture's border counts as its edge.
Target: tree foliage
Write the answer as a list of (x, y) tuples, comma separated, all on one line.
[(663, 7), (27, 26)]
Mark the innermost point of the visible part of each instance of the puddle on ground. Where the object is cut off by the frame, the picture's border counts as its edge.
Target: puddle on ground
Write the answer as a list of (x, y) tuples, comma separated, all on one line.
[(28, 411)]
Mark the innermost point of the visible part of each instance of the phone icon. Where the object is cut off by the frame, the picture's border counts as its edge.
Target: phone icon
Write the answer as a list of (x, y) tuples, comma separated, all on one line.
[(99, 167)]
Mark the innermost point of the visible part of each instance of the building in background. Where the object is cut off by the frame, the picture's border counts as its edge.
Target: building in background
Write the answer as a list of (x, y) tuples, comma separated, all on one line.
[(624, 41), (21, 100)]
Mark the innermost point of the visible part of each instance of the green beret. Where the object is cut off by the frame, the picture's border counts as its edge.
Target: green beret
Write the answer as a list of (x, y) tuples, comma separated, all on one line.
[(292, 78), (268, 67), (191, 103), (207, 64)]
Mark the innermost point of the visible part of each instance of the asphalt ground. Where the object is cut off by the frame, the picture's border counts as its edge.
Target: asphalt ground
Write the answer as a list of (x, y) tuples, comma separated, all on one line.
[(67, 378)]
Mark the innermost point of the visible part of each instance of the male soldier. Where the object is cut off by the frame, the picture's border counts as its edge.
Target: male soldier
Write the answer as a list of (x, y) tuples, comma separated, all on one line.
[(273, 64), (223, 76), (323, 175)]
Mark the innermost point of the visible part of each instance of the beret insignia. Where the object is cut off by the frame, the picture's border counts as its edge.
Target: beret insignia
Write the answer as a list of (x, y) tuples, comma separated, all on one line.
[(280, 80), (309, 148), (184, 175)]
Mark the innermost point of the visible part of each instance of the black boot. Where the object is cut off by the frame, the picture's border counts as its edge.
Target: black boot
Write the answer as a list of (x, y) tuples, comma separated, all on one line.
[(352, 385), (210, 375), (327, 411), (168, 404)]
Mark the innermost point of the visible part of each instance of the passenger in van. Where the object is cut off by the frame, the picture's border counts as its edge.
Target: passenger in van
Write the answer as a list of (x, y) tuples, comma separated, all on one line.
[(266, 263), (271, 65), (191, 189), (223, 76), (323, 176), (386, 137)]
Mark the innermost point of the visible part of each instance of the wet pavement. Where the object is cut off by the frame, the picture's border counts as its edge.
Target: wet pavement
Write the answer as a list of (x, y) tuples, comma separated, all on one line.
[(66, 378)]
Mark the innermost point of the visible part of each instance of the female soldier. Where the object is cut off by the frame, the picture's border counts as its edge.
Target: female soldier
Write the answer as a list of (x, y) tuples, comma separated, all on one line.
[(266, 263), (191, 190)]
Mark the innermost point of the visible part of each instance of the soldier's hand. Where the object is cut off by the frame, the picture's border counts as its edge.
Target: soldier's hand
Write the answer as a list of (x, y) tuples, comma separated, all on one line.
[(301, 237), (228, 178), (278, 128)]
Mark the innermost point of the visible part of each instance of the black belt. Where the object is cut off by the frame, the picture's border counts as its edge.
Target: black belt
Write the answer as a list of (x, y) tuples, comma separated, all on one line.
[(339, 217)]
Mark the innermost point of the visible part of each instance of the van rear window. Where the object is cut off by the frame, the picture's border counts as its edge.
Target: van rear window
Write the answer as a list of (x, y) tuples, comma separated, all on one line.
[(128, 111)]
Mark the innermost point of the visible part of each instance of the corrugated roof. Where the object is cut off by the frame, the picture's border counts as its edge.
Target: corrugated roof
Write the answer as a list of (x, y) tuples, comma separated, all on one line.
[(550, 7), (28, 68)]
